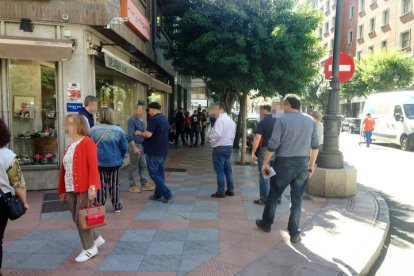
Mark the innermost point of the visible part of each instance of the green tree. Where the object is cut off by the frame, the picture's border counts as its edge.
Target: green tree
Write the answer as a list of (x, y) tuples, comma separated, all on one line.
[(383, 71), (317, 92), (244, 45)]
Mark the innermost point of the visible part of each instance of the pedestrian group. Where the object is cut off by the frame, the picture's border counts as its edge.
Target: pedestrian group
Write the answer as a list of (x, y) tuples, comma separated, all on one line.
[(288, 142)]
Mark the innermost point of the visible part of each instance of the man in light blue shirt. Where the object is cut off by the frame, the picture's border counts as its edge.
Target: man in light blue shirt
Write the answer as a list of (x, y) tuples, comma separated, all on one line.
[(222, 138), (138, 163)]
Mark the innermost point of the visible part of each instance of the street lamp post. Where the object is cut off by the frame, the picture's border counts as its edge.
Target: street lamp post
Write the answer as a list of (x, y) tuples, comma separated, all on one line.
[(331, 157)]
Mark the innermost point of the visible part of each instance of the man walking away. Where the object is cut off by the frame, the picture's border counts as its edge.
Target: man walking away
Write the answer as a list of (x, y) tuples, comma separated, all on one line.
[(203, 123), (292, 138), (187, 127), (156, 149), (222, 138), (136, 152), (368, 124), (90, 108), (195, 128), (179, 127), (261, 139)]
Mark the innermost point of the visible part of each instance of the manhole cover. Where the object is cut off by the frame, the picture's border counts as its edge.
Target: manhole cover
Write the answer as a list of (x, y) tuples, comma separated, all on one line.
[(52, 203)]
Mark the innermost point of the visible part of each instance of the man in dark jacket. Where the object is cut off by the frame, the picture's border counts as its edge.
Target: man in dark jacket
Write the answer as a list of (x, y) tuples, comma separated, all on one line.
[(90, 108)]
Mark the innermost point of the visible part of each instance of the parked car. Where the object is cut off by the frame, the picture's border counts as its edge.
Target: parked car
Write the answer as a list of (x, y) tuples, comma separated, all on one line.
[(394, 117), (251, 125), (352, 125)]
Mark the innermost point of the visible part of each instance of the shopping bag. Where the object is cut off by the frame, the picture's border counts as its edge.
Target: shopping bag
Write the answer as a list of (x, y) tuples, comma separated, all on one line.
[(92, 217)]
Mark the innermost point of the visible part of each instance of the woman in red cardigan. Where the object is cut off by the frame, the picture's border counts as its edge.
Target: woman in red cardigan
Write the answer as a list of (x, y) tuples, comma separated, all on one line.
[(79, 180)]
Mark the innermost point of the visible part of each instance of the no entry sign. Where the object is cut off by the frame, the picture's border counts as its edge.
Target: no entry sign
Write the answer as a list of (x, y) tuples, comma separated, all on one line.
[(346, 67)]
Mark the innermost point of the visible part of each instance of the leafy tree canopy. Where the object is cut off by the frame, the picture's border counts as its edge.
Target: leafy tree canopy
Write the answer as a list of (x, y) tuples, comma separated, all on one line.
[(244, 44)]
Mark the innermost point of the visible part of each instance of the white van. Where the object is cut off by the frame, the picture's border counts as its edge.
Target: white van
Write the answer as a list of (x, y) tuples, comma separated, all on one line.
[(394, 117)]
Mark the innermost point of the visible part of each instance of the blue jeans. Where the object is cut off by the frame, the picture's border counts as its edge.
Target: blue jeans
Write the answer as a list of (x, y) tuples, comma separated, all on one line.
[(222, 166), (291, 171), (263, 183), (368, 137), (156, 169)]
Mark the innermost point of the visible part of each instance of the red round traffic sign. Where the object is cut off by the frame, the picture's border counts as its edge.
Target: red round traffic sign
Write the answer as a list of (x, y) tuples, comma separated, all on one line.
[(346, 67)]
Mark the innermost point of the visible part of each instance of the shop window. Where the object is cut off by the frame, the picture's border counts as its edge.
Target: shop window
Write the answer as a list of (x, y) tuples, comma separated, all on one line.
[(34, 124), (119, 93), (159, 97)]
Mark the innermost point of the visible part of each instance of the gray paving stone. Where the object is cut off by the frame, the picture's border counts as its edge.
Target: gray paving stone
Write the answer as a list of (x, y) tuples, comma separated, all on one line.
[(170, 235), (58, 247), (43, 261), (26, 246), (131, 248), (160, 263), (129, 263), (166, 248), (204, 215), (67, 235), (139, 235), (41, 235), (200, 248), (203, 235), (190, 262), (151, 215), (13, 259)]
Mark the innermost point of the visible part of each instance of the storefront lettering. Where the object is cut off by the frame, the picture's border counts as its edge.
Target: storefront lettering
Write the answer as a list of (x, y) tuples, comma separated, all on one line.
[(116, 65), (137, 21)]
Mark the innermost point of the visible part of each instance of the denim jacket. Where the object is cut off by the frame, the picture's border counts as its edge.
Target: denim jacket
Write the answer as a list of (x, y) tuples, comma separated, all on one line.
[(113, 146)]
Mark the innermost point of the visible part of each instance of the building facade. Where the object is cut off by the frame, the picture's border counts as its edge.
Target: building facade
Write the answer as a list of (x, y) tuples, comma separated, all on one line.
[(55, 53)]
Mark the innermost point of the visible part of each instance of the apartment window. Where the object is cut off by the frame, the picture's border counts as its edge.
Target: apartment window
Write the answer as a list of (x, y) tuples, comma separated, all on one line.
[(405, 39), (350, 37), (370, 49), (320, 32), (405, 7), (326, 27), (351, 12), (385, 17), (384, 44), (361, 5), (327, 6), (358, 55), (360, 30), (325, 46), (332, 44), (333, 21), (372, 25)]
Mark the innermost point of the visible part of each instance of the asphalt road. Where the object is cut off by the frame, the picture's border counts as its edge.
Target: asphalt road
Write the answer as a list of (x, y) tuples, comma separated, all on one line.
[(389, 171)]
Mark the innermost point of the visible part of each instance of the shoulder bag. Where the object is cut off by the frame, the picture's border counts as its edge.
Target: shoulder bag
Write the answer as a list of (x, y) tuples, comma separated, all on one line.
[(106, 130), (15, 207)]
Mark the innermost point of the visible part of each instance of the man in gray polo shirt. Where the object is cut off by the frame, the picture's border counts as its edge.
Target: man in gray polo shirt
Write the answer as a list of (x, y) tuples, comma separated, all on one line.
[(295, 142)]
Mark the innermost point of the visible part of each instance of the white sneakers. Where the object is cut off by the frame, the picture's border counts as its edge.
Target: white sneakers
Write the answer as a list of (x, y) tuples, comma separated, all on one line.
[(87, 254), (99, 241), (91, 252)]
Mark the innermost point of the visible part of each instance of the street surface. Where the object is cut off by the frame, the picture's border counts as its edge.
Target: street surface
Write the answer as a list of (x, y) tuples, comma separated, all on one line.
[(389, 171)]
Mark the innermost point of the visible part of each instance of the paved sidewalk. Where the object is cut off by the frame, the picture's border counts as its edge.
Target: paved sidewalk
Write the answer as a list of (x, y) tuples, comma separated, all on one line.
[(197, 235)]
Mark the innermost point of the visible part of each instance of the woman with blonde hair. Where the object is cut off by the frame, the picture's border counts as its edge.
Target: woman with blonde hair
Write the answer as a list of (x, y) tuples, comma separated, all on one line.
[(79, 180), (112, 147), (319, 125)]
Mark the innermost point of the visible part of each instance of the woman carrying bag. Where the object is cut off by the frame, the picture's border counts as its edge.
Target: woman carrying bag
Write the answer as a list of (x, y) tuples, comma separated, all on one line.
[(79, 180), (11, 181), (112, 147)]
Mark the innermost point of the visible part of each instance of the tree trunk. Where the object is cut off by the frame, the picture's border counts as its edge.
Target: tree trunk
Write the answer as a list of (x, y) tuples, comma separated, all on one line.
[(243, 110), (239, 125)]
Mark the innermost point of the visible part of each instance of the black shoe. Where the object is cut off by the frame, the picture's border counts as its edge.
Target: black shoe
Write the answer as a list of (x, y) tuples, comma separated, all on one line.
[(265, 227), (218, 195), (228, 193), (295, 238), (167, 199), (279, 201), (118, 207), (155, 198)]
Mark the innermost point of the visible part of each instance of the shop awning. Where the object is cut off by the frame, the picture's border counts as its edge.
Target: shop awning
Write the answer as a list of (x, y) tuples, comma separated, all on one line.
[(35, 48), (114, 62)]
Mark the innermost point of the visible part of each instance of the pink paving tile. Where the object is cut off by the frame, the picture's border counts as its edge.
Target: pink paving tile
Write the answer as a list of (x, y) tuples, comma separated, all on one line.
[(239, 257), (217, 268), (74, 272), (26, 272), (204, 224), (118, 273), (156, 274), (56, 224)]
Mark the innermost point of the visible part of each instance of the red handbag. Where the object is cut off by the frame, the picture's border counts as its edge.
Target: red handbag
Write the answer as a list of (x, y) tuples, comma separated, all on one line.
[(92, 217)]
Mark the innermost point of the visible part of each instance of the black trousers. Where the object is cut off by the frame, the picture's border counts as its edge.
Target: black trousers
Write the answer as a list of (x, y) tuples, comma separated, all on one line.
[(180, 132), (3, 224)]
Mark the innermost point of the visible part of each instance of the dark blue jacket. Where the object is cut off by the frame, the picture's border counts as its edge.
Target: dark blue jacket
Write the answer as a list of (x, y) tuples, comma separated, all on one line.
[(88, 116)]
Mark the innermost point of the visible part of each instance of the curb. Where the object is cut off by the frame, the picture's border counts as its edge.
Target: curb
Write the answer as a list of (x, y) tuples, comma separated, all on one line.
[(383, 220)]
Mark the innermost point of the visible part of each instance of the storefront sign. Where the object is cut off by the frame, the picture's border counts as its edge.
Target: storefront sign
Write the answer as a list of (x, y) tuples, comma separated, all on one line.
[(73, 107), (74, 92), (198, 102), (137, 21), (113, 63)]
